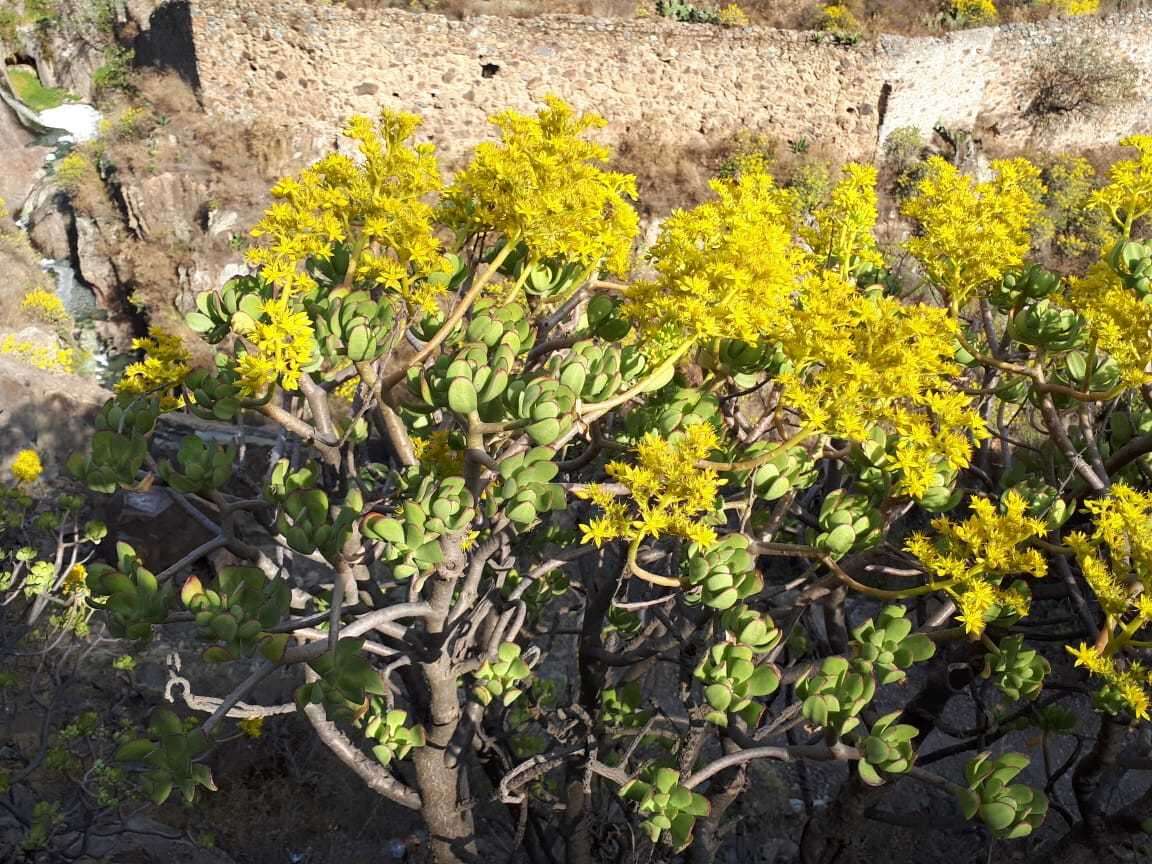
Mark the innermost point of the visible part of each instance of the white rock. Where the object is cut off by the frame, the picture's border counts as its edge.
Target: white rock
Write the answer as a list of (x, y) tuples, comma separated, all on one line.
[(80, 121)]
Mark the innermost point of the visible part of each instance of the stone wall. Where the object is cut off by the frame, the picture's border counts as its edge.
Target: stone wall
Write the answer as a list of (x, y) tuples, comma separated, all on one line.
[(308, 65)]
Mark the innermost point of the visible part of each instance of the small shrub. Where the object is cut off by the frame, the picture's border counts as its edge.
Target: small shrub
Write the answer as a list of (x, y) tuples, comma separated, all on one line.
[(903, 158), (74, 170), (839, 22), (686, 13), (1076, 227), (971, 13), (129, 124), (1074, 7), (115, 74), (1077, 75), (733, 16)]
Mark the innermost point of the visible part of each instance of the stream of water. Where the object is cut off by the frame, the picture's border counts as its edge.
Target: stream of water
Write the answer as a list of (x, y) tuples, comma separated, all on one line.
[(66, 126)]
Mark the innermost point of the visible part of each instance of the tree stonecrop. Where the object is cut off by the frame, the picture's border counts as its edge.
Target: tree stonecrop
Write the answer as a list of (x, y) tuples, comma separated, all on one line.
[(528, 483)]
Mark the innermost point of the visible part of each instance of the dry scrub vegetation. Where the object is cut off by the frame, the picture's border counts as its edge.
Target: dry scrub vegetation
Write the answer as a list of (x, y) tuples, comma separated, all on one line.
[(911, 17)]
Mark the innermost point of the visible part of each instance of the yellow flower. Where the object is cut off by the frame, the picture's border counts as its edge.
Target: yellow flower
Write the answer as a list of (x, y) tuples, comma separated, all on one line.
[(973, 558), (1128, 193), (1089, 657), (544, 185), (437, 453), (76, 580), (843, 233), (971, 233), (859, 361), (45, 305), (598, 531), (282, 344), (253, 727), (163, 369), (376, 206), (1120, 320), (975, 11), (50, 359), (733, 16), (1120, 547), (1074, 7), (727, 268), (668, 492), (26, 467)]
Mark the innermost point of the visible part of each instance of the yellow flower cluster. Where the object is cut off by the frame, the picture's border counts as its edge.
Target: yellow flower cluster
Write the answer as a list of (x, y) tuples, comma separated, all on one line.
[(376, 206), (26, 466), (972, 558), (860, 361), (1116, 560), (1080, 226), (437, 453), (733, 16), (76, 580), (726, 268), (45, 305), (1128, 194), (971, 233), (1075, 7), (838, 18), (668, 492), (1128, 684), (40, 356), (1120, 320), (543, 185), (281, 344), (163, 369), (1122, 526), (844, 224), (975, 11)]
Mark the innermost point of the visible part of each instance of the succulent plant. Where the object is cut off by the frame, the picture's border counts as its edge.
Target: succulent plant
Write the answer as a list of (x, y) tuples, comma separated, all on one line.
[(524, 490), (755, 630), (545, 404), (243, 604), (203, 467), (665, 804), (1019, 286), (1132, 261), (886, 749), (1010, 810), (1043, 324), (887, 642), (389, 730), (344, 681), (722, 574), (732, 680), (236, 306), (410, 539), (606, 320), (621, 706), (130, 595), (352, 324), (597, 372), (836, 693), (671, 410), (789, 469), (848, 523), (305, 517), (167, 757), (503, 678), (1017, 671)]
